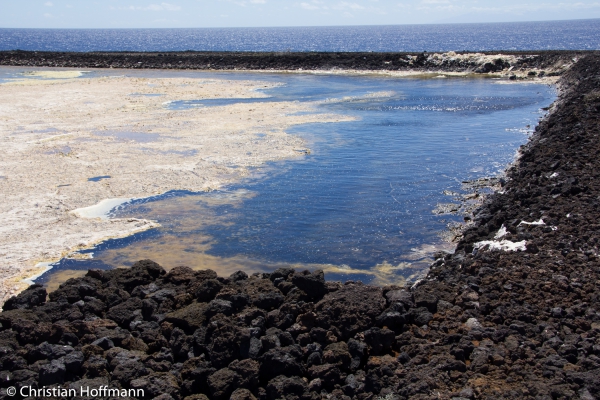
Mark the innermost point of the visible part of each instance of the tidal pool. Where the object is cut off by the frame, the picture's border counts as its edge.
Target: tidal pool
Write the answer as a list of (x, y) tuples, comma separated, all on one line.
[(360, 204)]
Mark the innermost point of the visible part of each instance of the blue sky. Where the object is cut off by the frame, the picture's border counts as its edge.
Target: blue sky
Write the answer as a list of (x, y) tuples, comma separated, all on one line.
[(254, 13)]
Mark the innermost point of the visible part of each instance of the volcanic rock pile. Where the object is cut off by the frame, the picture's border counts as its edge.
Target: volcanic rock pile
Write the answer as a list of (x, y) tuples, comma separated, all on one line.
[(485, 323), (186, 333), (551, 62)]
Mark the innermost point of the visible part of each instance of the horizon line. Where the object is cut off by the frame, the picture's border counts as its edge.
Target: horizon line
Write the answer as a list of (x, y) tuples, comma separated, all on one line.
[(322, 26)]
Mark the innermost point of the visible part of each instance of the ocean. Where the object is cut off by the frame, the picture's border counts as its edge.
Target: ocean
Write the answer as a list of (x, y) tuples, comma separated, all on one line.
[(550, 35)]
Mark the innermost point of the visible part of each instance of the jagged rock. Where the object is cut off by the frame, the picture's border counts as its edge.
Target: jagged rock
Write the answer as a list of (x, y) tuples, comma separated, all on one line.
[(268, 301), (53, 372), (281, 273), (248, 370), (379, 340), (33, 296), (311, 284), (352, 309), (73, 361), (208, 290), (95, 366), (123, 313), (420, 316), (238, 276), (223, 382), (281, 361), (328, 374), (425, 299), (180, 275), (47, 351), (129, 370), (189, 318), (337, 353), (157, 384), (195, 373), (284, 386), (104, 342)]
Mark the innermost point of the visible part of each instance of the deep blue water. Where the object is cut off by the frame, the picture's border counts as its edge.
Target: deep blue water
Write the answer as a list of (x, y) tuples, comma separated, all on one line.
[(366, 192), (555, 35)]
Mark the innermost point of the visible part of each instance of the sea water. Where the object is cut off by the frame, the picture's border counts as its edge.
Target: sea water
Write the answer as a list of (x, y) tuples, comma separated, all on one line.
[(361, 204), (546, 35)]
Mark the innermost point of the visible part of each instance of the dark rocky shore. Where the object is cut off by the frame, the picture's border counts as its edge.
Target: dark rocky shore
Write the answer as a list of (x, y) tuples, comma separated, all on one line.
[(552, 60), (485, 323)]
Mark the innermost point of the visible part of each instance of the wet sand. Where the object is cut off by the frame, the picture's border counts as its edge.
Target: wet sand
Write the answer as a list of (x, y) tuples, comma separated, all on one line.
[(58, 131)]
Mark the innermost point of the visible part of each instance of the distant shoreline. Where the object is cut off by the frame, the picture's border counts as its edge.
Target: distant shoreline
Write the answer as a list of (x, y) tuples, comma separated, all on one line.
[(472, 62)]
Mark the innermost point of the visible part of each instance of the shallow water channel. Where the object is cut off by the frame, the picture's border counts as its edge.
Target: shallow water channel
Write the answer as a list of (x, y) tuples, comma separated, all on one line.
[(361, 203)]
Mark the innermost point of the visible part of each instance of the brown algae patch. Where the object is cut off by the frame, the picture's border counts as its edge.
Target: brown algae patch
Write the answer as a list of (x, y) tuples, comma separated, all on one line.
[(42, 187), (170, 251), (59, 277), (176, 246)]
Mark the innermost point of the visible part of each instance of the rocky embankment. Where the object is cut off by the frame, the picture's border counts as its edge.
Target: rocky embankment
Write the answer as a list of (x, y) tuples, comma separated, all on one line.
[(516, 64), (486, 323)]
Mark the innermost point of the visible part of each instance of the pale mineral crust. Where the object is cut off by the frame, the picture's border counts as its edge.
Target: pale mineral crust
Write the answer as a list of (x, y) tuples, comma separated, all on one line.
[(56, 134)]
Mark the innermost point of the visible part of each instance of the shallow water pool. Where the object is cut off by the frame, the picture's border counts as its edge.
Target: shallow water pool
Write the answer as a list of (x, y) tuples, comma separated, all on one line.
[(361, 203)]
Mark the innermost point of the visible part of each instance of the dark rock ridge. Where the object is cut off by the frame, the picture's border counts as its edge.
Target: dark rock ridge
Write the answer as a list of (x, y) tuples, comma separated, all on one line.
[(552, 62), (483, 324)]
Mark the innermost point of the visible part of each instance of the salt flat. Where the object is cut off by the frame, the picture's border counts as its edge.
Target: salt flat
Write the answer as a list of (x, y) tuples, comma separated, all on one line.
[(58, 132)]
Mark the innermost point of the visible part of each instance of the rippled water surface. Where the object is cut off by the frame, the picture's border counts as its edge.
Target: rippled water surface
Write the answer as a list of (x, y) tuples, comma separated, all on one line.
[(546, 35), (360, 204)]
